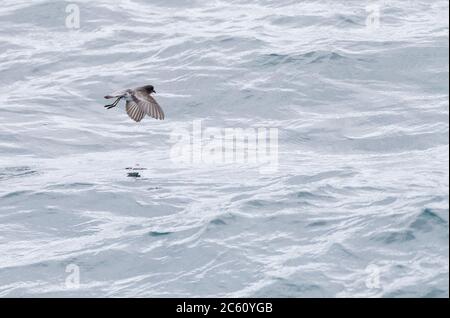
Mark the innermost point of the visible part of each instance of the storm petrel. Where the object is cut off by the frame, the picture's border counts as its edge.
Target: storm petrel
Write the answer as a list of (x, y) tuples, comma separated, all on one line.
[(139, 103)]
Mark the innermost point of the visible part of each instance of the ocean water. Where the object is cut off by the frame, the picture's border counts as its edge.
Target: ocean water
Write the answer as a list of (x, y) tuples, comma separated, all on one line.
[(356, 203)]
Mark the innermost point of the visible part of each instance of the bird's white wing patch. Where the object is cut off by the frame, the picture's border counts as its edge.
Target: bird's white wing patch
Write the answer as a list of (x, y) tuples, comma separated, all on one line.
[(134, 111)]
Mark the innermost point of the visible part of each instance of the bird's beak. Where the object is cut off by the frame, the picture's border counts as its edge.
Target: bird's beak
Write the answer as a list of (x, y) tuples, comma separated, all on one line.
[(154, 91)]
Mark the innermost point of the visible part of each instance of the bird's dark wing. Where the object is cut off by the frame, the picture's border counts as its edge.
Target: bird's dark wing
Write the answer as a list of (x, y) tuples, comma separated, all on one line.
[(134, 111), (148, 104)]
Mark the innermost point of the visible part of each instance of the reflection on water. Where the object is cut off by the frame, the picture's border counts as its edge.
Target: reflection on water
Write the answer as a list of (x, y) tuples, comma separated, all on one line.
[(134, 172)]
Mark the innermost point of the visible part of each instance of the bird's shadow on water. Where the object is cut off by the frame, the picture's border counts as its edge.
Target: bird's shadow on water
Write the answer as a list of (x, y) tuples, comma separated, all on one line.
[(135, 172)]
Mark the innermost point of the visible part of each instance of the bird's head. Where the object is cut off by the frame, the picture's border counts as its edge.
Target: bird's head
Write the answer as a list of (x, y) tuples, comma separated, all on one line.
[(150, 89)]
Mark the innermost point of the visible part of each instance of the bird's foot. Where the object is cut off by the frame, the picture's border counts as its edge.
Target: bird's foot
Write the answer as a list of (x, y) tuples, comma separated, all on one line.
[(113, 104)]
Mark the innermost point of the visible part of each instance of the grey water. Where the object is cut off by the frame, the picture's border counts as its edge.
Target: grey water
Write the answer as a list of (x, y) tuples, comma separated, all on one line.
[(93, 204)]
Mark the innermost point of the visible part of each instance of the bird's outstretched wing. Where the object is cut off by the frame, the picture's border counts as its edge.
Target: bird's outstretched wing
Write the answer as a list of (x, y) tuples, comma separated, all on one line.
[(134, 111), (148, 104)]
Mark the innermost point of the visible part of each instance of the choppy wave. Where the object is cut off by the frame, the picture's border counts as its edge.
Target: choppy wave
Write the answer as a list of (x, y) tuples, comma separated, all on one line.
[(357, 207)]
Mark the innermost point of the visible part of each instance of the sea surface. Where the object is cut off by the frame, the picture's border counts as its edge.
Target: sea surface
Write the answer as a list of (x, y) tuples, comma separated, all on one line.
[(355, 204)]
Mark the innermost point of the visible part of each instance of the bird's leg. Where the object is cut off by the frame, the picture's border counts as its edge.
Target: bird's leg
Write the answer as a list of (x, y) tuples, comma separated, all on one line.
[(113, 104)]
